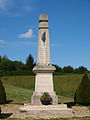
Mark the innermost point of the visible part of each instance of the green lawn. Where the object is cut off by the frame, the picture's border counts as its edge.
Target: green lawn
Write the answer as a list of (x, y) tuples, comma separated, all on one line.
[(17, 94), (20, 88)]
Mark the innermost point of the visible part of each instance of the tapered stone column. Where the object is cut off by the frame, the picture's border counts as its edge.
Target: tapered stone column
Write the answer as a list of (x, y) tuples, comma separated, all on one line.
[(44, 70), (44, 80)]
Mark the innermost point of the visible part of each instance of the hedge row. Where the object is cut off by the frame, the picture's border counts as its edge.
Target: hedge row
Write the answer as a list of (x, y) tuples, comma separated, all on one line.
[(16, 73)]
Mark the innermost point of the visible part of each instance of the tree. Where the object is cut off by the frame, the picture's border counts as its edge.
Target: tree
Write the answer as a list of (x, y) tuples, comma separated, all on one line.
[(82, 95), (30, 62), (2, 93), (18, 65), (6, 64), (68, 69), (81, 69), (58, 69), (0, 58)]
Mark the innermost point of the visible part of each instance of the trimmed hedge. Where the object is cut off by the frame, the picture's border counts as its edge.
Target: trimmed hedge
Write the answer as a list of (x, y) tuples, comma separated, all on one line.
[(82, 95), (2, 93)]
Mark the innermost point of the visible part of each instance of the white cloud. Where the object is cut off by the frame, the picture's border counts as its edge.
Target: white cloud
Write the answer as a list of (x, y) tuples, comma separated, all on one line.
[(27, 8), (7, 6), (2, 41), (4, 4), (28, 34)]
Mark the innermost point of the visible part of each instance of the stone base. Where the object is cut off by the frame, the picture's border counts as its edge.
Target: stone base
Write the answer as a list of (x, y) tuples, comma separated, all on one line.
[(59, 110), (35, 99)]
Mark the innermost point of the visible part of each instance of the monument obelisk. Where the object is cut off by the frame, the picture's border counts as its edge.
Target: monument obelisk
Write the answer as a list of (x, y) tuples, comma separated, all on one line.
[(44, 79), (44, 70)]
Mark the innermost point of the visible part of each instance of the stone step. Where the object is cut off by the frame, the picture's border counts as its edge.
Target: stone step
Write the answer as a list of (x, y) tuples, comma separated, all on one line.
[(60, 107)]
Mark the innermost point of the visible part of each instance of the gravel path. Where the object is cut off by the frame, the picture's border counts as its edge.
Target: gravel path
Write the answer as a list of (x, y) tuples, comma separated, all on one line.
[(12, 111), (81, 111)]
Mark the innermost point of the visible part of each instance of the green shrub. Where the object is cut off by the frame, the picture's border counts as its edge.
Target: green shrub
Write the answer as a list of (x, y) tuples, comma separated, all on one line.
[(0, 110), (2, 93), (46, 99), (82, 95)]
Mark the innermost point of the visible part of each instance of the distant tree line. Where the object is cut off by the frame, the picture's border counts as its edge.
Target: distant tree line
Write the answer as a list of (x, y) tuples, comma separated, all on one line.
[(70, 69), (9, 67)]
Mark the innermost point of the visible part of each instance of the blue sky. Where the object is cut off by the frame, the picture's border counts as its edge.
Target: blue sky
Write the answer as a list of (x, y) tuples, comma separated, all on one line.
[(69, 24)]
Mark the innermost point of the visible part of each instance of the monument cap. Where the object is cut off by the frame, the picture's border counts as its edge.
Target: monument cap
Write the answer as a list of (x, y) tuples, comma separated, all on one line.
[(43, 18)]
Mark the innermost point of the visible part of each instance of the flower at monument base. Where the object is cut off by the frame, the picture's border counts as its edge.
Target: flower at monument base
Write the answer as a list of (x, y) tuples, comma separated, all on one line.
[(46, 99)]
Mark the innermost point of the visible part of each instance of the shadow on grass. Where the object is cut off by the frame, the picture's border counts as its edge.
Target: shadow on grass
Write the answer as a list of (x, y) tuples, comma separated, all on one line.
[(5, 115), (70, 104), (9, 101)]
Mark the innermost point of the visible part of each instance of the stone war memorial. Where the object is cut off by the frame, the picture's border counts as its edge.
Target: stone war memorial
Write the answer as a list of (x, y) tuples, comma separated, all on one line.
[(44, 70), (44, 77)]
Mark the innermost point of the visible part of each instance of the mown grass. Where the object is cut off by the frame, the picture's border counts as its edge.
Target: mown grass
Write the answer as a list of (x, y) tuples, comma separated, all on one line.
[(19, 81), (18, 95), (20, 88), (65, 85)]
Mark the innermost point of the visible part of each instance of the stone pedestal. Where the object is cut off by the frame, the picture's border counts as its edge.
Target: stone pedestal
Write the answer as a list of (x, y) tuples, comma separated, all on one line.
[(35, 100), (47, 112), (43, 83)]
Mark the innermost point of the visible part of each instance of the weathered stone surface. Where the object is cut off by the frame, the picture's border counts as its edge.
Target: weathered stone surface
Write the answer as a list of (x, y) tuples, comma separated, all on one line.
[(35, 100), (50, 110), (43, 47), (44, 70)]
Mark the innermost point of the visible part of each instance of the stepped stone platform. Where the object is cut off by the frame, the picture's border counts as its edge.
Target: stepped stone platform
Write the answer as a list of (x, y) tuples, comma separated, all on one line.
[(48, 110)]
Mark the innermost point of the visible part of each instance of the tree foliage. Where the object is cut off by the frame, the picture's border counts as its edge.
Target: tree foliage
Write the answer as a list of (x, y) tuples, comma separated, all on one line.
[(18, 65), (82, 95), (0, 58), (7, 66), (68, 69), (81, 69), (58, 69), (30, 62)]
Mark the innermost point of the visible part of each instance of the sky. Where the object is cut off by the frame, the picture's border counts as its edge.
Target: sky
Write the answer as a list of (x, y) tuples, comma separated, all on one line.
[(69, 26)]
